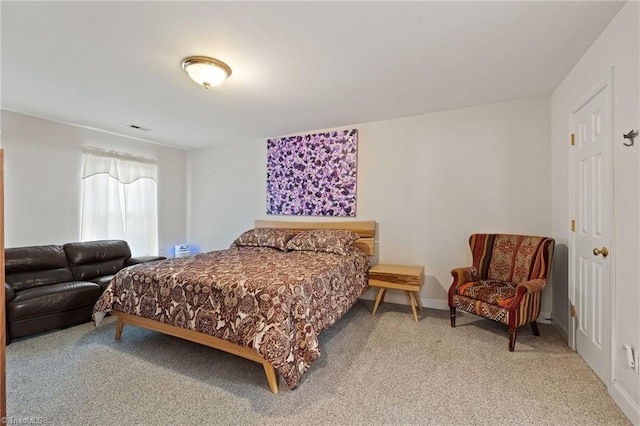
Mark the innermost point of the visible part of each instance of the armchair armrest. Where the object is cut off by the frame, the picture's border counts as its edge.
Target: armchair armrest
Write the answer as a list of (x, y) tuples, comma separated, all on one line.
[(142, 259), (527, 287), (531, 286), (464, 275), (461, 276), (9, 294)]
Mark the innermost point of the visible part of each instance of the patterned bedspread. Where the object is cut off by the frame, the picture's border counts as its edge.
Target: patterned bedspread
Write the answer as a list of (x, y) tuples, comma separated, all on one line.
[(272, 301)]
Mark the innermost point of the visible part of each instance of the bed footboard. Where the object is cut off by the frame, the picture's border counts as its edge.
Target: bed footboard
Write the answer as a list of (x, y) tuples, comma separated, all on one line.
[(200, 338)]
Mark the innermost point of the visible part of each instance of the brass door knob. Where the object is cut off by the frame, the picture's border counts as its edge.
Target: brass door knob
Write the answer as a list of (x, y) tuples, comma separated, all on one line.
[(603, 251)]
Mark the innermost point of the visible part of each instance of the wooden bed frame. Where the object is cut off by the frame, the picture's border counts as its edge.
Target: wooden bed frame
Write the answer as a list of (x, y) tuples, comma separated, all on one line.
[(365, 229)]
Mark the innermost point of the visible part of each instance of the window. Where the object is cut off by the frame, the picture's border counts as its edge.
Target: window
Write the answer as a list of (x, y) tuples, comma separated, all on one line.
[(119, 200)]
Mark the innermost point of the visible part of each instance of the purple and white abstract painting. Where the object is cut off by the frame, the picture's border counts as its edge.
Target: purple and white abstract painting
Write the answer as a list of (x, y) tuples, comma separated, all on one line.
[(312, 175)]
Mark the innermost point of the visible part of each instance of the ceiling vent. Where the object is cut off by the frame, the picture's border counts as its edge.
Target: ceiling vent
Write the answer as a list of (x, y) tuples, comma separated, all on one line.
[(135, 126)]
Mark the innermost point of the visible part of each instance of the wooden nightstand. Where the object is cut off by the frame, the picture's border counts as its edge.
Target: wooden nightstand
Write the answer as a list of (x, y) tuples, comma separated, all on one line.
[(400, 277)]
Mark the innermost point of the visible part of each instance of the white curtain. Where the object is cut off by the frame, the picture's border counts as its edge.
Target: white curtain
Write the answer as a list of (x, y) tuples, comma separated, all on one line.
[(119, 200)]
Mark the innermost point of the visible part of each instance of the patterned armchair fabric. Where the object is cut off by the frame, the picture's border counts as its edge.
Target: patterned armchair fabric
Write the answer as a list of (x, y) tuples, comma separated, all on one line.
[(504, 284)]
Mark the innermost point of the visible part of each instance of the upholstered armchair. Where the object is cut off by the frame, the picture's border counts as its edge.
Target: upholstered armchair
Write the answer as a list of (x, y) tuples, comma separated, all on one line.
[(504, 284)]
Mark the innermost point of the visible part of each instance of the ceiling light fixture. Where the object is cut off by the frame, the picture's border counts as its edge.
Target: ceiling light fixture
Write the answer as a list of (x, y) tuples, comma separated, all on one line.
[(206, 71)]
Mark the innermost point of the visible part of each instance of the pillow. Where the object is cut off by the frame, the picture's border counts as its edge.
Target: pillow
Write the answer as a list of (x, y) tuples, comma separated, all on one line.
[(324, 240), (264, 237)]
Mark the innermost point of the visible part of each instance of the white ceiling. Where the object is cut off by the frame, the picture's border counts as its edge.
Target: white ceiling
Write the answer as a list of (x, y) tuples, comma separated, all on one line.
[(297, 66)]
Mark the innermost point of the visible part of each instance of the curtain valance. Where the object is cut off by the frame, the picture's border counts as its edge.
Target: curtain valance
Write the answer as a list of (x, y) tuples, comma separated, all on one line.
[(125, 168)]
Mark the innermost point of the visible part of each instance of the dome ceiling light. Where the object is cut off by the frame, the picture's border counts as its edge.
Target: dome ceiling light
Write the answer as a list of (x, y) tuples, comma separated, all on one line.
[(206, 71)]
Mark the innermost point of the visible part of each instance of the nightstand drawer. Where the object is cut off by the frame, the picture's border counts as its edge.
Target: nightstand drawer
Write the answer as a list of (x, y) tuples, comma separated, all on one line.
[(400, 274)]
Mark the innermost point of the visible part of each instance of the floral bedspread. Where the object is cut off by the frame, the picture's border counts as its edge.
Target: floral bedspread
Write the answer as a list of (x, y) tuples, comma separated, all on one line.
[(272, 301)]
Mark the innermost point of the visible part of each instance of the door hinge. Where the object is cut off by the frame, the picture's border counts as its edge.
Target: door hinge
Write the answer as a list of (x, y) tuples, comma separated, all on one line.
[(573, 225), (573, 311), (573, 139)]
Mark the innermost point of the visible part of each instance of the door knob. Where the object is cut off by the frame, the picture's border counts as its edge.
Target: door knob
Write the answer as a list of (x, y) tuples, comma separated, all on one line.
[(603, 251)]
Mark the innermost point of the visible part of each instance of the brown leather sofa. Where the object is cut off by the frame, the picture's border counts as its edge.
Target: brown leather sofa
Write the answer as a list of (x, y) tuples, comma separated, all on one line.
[(53, 286)]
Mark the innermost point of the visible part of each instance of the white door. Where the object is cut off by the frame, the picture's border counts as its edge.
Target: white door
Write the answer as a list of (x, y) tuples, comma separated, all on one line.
[(591, 249)]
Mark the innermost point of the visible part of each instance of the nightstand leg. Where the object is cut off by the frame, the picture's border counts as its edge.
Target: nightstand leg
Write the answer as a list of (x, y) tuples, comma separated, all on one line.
[(413, 307), (416, 295), (379, 297)]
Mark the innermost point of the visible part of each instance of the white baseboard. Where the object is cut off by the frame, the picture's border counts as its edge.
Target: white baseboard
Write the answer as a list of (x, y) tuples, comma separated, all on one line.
[(628, 406), (561, 332), (545, 318), (402, 299)]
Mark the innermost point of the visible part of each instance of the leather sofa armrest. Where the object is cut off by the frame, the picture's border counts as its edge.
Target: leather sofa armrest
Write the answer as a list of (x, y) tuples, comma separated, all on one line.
[(142, 259), (9, 294)]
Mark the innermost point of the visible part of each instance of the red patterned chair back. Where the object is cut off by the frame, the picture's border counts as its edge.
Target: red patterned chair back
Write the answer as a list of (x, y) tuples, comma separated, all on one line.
[(511, 258)]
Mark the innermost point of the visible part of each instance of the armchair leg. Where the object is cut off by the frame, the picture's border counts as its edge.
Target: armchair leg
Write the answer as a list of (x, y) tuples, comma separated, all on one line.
[(534, 328), (512, 338), (452, 312)]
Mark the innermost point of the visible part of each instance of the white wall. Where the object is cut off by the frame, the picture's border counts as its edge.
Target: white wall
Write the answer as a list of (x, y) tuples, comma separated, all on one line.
[(43, 165), (429, 181), (618, 46)]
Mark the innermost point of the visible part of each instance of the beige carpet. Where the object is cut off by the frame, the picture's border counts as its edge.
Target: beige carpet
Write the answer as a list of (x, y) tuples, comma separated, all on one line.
[(384, 369)]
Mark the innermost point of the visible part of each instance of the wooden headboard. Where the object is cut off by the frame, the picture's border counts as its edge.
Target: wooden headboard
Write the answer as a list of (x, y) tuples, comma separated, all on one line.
[(365, 229)]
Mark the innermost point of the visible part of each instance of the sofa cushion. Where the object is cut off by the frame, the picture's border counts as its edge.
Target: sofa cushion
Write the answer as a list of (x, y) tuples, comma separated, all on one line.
[(92, 259), (44, 300), (512, 258), (29, 267), (493, 292)]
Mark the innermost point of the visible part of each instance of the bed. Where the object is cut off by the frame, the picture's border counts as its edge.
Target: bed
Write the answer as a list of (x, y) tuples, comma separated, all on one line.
[(266, 298)]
